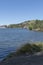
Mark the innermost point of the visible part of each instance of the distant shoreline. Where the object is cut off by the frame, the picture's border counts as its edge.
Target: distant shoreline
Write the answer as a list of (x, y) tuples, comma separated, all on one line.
[(35, 25)]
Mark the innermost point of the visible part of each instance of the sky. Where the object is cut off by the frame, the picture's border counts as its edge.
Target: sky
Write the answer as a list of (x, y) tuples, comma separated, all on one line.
[(17, 11)]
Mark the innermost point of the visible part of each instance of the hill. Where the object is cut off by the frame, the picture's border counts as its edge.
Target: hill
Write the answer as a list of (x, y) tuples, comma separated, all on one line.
[(36, 25)]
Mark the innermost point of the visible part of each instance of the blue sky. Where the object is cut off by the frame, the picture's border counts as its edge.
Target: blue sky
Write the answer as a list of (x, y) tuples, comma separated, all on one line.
[(16, 11)]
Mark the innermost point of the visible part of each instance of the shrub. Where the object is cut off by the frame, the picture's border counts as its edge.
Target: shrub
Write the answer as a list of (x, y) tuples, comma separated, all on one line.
[(30, 28), (29, 48), (36, 48)]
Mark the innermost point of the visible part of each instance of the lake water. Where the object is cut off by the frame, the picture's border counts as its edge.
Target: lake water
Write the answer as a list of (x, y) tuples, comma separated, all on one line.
[(11, 39)]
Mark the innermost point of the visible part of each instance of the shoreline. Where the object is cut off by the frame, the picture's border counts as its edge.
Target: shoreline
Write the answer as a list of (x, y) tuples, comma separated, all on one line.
[(20, 52), (36, 59)]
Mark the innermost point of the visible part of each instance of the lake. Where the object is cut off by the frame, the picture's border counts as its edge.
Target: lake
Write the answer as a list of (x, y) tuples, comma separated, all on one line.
[(13, 38)]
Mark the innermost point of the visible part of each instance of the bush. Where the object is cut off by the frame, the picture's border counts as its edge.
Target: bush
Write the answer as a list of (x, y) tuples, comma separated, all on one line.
[(30, 28), (36, 48), (25, 49), (29, 48)]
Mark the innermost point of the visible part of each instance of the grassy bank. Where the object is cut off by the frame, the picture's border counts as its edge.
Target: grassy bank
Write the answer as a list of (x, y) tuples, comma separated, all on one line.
[(27, 49)]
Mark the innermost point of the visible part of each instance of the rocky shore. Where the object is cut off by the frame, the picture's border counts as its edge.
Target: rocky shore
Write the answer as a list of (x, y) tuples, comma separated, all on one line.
[(36, 59)]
